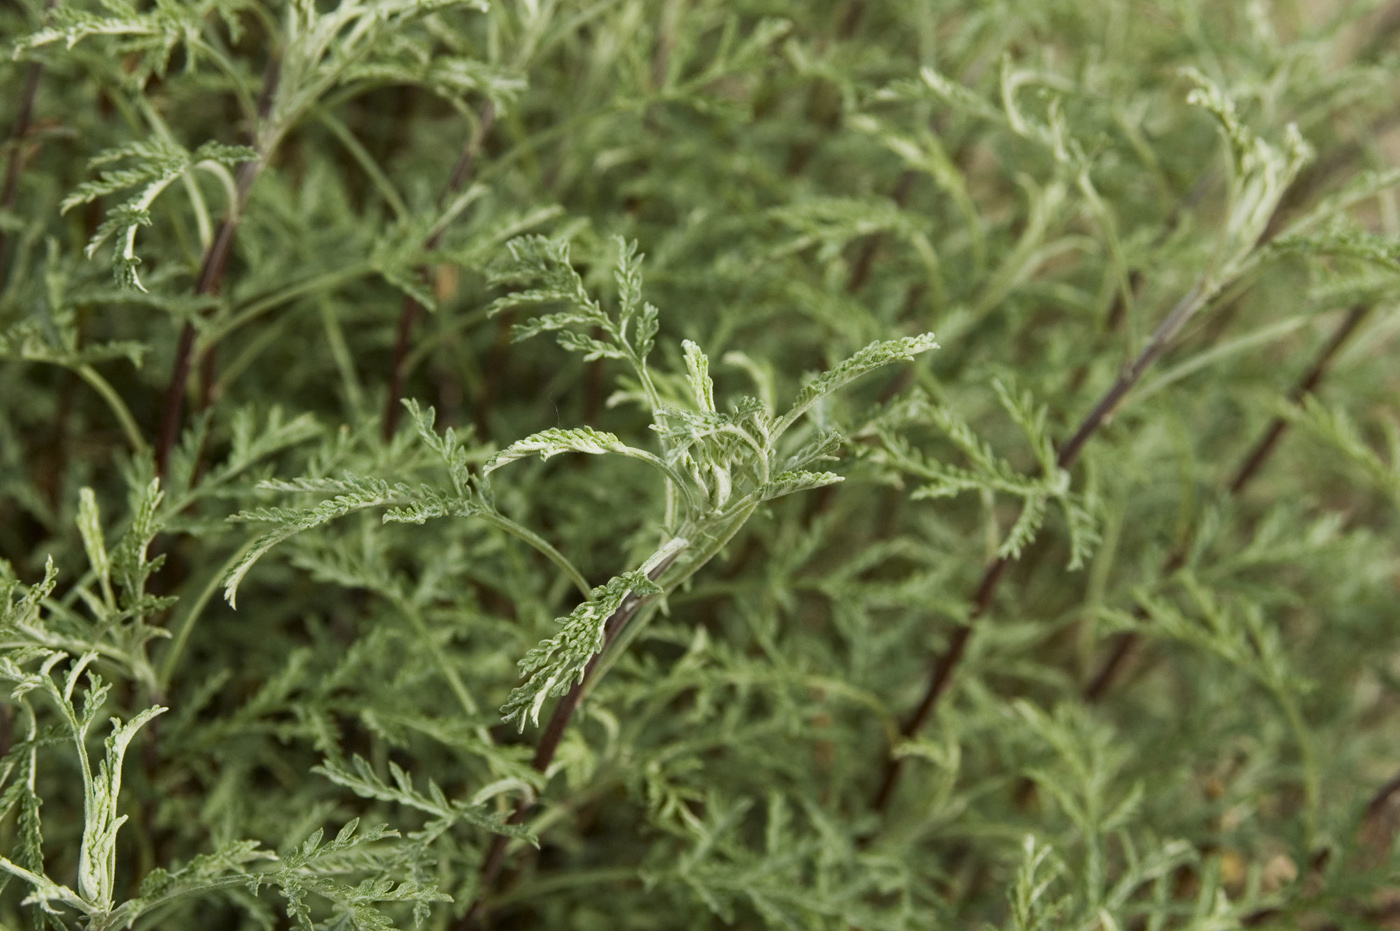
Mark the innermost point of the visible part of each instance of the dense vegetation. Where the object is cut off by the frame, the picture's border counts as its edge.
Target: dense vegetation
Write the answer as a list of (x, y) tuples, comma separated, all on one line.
[(699, 463)]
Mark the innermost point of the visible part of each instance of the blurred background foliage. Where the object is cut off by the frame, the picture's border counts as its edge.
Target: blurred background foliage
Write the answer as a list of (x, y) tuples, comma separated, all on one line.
[(295, 210)]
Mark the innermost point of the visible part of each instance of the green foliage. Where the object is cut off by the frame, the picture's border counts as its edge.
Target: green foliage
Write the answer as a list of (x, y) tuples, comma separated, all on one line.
[(733, 603)]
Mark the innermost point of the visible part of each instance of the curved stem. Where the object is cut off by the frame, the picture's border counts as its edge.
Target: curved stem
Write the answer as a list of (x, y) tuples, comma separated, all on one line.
[(539, 543), (366, 162), (255, 308), (246, 101), (448, 671), (191, 614), (115, 403)]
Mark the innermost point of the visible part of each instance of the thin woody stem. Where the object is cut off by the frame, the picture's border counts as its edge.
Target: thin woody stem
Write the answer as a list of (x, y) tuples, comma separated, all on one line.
[(1128, 378), (1127, 642), (940, 677), (24, 118), (946, 664), (1265, 447), (9, 193), (552, 736), (1249, 468), (410, 310), (211, 277)]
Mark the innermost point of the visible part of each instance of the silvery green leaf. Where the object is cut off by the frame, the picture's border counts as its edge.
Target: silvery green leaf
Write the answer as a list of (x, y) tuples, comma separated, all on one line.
[(157, 163), (697, 367), (1024, 530), (873, 356), (648, 322), (90, 528), (822, 448), (628, 276), (552, 667), (361, 778), (354, 493), (554, 441), (97, 862), (1033, 421), (785, 483)]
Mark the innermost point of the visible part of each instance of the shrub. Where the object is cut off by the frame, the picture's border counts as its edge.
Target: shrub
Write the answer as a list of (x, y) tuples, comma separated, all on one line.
[(493, 464)]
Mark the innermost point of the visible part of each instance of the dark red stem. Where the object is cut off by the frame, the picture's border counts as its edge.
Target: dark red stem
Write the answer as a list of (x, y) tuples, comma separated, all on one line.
[(944, 665), (551, 737), (23, 119), (410, 309), (1125, 643), (211, 278)]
